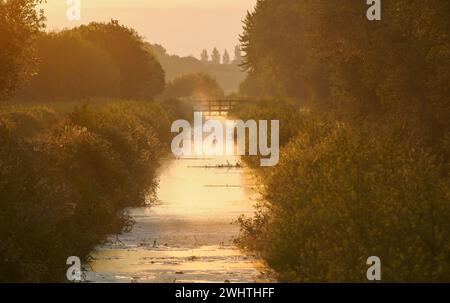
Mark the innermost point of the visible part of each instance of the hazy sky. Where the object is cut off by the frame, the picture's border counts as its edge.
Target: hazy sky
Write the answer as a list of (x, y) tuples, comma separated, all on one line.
[(183, 27)]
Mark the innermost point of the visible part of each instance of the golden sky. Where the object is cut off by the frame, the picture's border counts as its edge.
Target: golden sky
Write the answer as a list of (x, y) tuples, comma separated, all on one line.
[(183, 27)]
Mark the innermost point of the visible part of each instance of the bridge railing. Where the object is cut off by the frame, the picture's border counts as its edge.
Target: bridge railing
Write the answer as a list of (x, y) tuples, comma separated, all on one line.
[(219, 106)]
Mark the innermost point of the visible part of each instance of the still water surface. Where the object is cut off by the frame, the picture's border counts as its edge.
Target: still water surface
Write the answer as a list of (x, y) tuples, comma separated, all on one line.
[(187, 235)]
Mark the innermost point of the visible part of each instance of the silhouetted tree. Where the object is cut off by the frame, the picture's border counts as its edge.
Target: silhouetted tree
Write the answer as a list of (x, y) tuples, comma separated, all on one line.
[(393, 65), (20, 24), (204, 56), (142, 76), (215, 57), (226, 58)]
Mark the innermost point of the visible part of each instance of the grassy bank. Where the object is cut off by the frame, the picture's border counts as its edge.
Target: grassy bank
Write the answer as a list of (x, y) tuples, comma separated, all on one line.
[(66, 176)]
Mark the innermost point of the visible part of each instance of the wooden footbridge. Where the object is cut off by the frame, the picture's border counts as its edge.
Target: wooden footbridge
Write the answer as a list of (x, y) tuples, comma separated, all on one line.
[(218, 107)]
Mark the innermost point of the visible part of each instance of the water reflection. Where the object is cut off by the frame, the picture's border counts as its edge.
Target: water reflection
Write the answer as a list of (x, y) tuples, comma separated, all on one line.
[(187, 235)]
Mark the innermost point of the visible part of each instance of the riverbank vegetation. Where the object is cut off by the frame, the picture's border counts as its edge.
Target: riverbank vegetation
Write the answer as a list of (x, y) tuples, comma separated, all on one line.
[(65, 179), (363, 110)]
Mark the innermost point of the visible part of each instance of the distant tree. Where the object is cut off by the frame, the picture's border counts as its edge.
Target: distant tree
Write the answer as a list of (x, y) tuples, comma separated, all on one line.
[(237, 55), (195, 85), (204, 56), (142, 76), (226, 58), (215, 57), (20, 24), (228, 76), (158, 50)]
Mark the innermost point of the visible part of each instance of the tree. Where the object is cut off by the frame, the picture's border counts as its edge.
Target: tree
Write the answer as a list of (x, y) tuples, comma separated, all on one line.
[(341, 58), (70, 68), (204, 56), (20, 24), (226, 58), (215, 57), (142, 76)]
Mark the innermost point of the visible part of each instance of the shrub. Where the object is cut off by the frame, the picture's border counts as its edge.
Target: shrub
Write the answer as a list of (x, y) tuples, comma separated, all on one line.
[(64, 181), (28, 122), (343, 194), (136, 144)]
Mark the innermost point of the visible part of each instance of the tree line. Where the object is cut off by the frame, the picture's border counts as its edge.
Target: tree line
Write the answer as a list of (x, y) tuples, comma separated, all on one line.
[(95, 60), (106, 60), (217, 58)]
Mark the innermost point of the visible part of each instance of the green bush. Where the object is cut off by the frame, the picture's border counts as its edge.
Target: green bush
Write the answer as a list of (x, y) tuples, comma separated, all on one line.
[(137, 144), (28, 122)]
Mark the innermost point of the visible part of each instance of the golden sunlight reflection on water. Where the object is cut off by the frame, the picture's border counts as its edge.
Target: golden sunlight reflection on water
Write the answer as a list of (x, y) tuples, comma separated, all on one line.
[(186, 236)]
